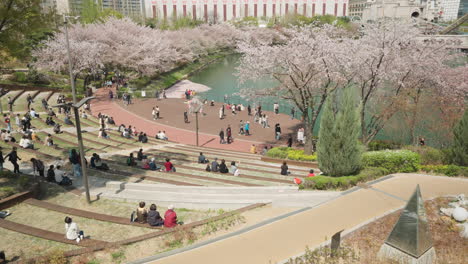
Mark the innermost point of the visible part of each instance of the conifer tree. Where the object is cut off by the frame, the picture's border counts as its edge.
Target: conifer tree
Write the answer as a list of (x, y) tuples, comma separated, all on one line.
[(460, 141), (339, 151)]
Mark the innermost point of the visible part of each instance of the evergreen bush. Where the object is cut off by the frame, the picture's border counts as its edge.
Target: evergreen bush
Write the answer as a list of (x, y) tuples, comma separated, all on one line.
[(290, 153), (392, 160), (338, 150), (321, 182), (460, 141)]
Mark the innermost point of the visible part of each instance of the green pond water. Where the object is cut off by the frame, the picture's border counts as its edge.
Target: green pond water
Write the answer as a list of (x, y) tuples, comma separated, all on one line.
[(221, 78)]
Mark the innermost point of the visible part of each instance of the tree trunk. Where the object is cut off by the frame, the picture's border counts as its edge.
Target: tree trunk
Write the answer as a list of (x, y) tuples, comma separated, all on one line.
[(363, 124)]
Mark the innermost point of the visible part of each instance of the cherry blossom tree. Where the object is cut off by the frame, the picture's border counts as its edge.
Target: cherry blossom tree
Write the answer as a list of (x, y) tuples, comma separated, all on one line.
[(310, 64), (393, 67), (123, 44)]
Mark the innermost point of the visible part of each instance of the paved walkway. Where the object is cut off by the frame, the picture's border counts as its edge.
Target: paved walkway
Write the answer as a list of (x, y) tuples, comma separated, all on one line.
[(288, 237), (186, 136)]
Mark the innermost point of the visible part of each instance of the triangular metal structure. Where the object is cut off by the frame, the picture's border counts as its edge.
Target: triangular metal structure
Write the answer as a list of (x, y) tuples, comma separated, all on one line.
[(411, 233)]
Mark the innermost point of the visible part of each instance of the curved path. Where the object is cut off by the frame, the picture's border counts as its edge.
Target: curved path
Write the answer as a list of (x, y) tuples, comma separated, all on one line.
[(139, 117), (288, 237)]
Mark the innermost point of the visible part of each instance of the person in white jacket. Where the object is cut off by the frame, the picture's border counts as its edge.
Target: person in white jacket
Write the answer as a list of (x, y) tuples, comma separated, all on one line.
[(72, 231)]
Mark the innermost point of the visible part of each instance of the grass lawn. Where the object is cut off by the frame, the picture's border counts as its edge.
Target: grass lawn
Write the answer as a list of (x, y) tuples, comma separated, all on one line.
[(4, 100)]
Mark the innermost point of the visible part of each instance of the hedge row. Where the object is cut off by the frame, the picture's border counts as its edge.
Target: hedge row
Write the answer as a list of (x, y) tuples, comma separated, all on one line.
[(449, 170), (326, 182), (290, 153), (392, 160)]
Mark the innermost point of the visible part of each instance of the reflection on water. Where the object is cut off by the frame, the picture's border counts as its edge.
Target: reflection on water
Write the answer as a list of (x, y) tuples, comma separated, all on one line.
[(221, 78)]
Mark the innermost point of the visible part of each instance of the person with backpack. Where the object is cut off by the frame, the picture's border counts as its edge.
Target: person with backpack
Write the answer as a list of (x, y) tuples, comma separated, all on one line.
[(50, 174), (13, 158), (38, 166), (74, 159), (131, 160)]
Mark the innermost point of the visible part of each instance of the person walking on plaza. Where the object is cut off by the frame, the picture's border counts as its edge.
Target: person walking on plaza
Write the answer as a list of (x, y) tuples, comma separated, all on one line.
[(13, 158), (276, 108), (290, 141), (293, 112), (247, 128), (157, 112), (241, 127), (221, 113), (249, 110), (186, 117), (29, 99), (221, 136), (7, 122), (153, 113), (229, 134), (10, 104), (277, 131), (38, 166)]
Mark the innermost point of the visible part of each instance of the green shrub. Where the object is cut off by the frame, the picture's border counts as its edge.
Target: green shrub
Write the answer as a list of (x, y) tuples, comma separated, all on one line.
[(428, 155), (392, 160), (382, 145), (449, 170), (322, 182), (19, 77), (290, 153)]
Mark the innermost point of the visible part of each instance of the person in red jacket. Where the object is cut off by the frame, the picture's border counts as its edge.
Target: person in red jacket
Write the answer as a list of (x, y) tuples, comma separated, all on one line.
[(170, 217), (169, 166)]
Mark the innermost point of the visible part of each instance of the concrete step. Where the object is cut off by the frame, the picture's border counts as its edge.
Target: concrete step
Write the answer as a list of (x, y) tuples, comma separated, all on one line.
[(211, 199), (116, 185)]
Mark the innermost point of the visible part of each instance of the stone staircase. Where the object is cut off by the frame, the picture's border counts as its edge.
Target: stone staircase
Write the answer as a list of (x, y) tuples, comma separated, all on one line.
[(195, 197)]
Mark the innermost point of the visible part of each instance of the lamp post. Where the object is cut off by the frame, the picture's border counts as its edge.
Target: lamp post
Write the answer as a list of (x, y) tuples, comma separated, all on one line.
[(195, 106), (76, 106)]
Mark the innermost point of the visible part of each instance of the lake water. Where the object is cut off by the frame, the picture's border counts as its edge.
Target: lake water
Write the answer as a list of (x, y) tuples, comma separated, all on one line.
[(221, 78)]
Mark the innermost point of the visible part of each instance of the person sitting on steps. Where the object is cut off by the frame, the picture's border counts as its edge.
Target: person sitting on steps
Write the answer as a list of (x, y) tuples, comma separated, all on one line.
[(140, 155), (153, 165), (72, 232), (141, 213), (61, 178), (154, 218), (170, 217), (222, 167), (131, 160), (215, 165), (169, 167), (202, 159), (284, 169)]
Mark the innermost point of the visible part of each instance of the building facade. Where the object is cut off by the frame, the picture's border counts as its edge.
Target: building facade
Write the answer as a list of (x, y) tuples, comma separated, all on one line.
[(450, 9), (356, 8), (403, 9), (130, 8), (223, 10)]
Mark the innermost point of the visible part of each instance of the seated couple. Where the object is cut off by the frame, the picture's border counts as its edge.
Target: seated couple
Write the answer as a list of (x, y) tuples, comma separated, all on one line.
[(97, 163), (55, 174), (149, 164), (161, 135)]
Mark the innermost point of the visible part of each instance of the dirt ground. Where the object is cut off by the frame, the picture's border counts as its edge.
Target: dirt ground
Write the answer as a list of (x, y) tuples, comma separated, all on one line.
[(449, 246), (172, 114)]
